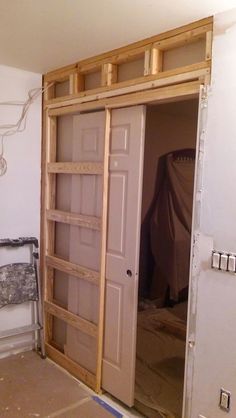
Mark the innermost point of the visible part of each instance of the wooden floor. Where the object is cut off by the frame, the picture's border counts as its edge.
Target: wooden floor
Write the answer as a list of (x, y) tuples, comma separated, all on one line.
[(31, 387)]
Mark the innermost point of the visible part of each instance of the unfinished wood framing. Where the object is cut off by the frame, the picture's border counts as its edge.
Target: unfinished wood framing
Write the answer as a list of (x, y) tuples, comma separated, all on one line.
[(71, 319), (74, 219), (187, 73), (75, 168), (52, 262), (151, 50), (103, 249), (73, 269), (156, 85), (71, 366)]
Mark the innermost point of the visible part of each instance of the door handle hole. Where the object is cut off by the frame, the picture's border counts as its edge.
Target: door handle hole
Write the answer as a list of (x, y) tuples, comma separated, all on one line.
[(129, 273)]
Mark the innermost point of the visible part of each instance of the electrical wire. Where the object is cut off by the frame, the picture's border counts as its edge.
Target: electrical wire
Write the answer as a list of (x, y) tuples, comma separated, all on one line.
[(20, 125)]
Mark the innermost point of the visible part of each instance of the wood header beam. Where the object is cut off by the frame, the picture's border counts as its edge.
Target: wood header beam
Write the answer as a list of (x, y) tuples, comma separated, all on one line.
[(148, 96), (160, 79)]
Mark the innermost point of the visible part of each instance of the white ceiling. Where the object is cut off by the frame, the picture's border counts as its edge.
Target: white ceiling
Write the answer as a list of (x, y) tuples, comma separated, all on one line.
[(40, 35)]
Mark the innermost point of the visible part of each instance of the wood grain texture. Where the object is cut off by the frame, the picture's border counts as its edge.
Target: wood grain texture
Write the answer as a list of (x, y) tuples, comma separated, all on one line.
[(106, 57), (76, 168), (50, 201), (160, 94), (209, 39), (71, 366), (156, 60), (109, 74), (184, 38), (71, 319), (73, 269), (103, 250), (181, 74), (149, 49), (91, 222)]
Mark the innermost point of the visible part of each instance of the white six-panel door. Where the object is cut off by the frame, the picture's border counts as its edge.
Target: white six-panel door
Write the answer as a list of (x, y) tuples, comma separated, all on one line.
[(122, 263), (85, 244)]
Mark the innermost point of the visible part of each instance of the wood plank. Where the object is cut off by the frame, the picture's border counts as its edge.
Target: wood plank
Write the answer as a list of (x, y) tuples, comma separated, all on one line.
[(71, 319), (90, 168), (50, 228), (186, 90), (43, 219), (188, 72), (115, 59), (91, 222), (160, 94), (61, 74), (182, 39), (71, 366), (49, 91), (109, 74), (73, 269), (73, 83), (103, 249), (150, 40), (208, 52), (156, 60), (97, 60), (147, 58)]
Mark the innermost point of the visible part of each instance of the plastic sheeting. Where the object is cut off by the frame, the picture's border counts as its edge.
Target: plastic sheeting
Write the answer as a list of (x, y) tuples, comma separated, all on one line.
[(166, 231)]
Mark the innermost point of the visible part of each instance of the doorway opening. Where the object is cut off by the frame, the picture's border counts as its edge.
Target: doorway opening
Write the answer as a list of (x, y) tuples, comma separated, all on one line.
[(165, 243)]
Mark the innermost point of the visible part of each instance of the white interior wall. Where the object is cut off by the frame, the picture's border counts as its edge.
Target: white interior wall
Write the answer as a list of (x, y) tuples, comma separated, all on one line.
[(215, 345), (20, 189)]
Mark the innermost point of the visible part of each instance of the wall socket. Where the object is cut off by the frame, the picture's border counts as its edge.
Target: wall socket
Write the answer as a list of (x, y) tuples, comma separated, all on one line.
[(225, 398)]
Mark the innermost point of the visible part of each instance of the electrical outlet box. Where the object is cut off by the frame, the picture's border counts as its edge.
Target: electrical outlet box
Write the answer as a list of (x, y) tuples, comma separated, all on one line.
[(225, 397)]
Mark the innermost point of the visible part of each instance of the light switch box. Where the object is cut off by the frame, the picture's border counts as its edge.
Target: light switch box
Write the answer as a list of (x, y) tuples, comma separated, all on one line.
[(232, 263), (216, 260), (224, 262), (225, 400)]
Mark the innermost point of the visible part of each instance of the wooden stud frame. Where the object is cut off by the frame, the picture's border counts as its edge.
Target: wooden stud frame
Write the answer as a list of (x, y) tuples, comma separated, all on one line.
[(52, 262), (154, 86), (151, 50)]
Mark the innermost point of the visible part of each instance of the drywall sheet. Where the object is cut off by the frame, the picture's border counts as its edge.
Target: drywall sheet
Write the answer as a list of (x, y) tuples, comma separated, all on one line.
[(215, 340)]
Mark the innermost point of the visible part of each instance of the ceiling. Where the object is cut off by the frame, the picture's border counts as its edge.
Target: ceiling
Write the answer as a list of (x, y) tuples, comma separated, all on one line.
[(41, 35)]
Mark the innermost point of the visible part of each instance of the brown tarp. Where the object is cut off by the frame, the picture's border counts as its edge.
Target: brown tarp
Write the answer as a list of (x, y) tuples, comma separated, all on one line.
[(168, 227)]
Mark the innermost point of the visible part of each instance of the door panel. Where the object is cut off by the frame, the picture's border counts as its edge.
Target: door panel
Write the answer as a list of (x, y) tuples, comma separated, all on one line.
[(124, 217), (85, 244)]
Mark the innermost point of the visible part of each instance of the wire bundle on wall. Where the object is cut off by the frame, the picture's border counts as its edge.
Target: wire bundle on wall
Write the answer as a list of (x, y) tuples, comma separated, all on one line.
[(19, 126)]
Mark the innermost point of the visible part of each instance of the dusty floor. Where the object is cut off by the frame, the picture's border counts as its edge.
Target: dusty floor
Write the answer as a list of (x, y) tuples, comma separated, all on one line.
[(31, 387), (160, 363)]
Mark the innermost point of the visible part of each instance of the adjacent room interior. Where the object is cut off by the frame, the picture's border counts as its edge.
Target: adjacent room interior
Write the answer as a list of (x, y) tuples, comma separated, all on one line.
[(168, 180)]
